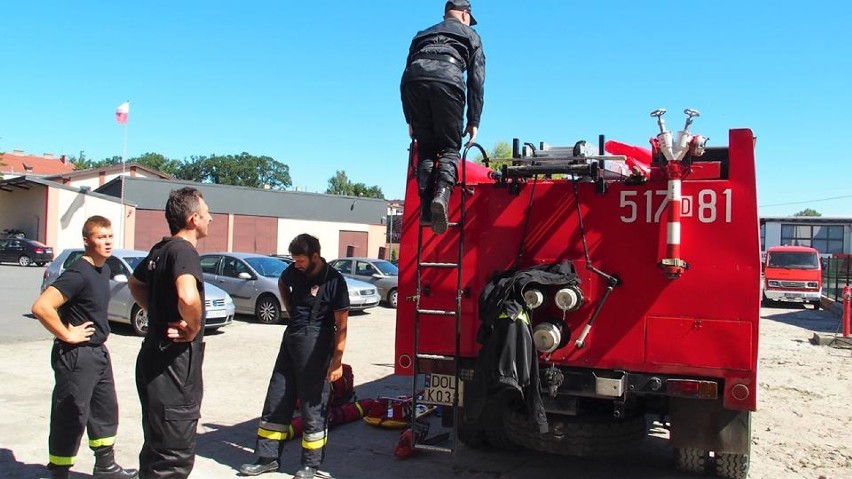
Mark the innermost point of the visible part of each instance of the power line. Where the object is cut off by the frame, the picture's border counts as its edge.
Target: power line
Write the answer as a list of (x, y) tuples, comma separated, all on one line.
[(806, 201)]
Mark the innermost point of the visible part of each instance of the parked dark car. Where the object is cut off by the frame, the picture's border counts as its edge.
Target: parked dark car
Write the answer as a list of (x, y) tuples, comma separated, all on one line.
[(25, 252), (12, 233)]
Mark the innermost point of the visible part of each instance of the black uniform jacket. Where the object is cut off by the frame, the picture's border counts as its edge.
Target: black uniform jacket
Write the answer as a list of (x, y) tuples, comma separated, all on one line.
[(508, 360), (453, 39)]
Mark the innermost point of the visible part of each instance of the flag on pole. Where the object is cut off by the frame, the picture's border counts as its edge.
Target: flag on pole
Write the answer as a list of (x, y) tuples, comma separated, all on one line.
[(122, 112)]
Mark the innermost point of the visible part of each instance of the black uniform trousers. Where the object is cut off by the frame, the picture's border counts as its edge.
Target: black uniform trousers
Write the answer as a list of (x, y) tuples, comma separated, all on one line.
[(170, 386), (300, 373), (436, 112), (83, 399)]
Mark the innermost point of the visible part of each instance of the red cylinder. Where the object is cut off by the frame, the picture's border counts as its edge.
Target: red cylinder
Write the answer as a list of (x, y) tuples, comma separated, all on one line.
[(847, 299)]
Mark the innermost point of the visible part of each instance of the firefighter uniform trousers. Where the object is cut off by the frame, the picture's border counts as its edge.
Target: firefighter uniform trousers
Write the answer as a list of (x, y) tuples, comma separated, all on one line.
[(300, 373), (169, 381), (83, 399), (437, 126)]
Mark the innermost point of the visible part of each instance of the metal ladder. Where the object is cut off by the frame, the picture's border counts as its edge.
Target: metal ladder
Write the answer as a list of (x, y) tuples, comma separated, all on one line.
[(432, 443)]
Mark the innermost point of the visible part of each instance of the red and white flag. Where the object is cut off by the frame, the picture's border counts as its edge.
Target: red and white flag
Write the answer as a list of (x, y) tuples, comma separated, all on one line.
[(122, 112)]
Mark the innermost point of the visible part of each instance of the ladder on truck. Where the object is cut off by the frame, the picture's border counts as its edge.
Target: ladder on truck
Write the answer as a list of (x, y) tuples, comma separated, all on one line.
[(435, 443)]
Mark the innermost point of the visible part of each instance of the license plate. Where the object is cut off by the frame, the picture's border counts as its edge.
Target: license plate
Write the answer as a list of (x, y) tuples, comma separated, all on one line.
[(793, 295), (439, 390), (216, 314)]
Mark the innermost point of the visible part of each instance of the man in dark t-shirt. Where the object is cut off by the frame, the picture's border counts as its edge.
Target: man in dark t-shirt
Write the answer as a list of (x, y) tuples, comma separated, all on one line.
[(310, 358), (168, 284), (74, 310)]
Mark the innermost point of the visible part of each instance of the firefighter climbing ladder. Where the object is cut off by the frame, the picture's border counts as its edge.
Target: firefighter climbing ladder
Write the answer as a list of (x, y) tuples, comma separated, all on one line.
[(432, 443)]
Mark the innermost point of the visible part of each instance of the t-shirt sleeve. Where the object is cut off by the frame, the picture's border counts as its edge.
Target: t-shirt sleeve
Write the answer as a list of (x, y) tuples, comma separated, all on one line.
[(140, 272), (340, 300), (187, 261), (287, 276), (70, 283)]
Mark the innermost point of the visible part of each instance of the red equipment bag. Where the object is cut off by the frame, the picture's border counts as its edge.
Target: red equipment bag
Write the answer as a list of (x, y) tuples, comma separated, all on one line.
[(343, 390)]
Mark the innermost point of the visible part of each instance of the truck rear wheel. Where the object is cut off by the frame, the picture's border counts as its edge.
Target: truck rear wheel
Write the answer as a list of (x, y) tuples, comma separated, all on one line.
[(732, 466), (578, 435), (691, 460)]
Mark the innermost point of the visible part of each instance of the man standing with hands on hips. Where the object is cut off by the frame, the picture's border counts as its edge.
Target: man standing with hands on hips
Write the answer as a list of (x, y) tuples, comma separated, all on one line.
[(310, 358), (74, 310), (433, 100), (169, 285)]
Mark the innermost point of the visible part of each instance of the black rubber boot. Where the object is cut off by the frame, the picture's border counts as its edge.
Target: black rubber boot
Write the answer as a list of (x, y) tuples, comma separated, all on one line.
[(262, 465), (426, 208), (106, 468), (59, 472), (439, 207), (305, 472)]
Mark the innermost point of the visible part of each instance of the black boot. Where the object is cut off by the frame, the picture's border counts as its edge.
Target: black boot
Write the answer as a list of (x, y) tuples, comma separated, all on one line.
[(426, 209), (262, 465), (305, 472), (106, 468), (59, 472), (439, 207)]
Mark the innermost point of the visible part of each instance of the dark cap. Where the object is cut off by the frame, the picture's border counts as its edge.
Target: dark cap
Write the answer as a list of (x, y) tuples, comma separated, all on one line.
[(460, 5)]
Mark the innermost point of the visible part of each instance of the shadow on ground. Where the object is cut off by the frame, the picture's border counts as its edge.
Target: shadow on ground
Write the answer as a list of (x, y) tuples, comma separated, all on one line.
[(798, 315), (12, 469), (358, 450)]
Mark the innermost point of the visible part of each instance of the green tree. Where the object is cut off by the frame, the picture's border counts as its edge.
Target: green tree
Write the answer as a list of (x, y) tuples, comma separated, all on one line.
[(158, 162), (808, 212), (500, 154), (339, 184), (236, 170)]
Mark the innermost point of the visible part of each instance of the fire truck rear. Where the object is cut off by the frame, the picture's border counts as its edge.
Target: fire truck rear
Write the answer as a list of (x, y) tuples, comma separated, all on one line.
[(655, 317)]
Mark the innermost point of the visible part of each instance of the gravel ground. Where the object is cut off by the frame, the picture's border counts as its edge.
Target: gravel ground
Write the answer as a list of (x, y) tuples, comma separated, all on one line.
[(803, 428)]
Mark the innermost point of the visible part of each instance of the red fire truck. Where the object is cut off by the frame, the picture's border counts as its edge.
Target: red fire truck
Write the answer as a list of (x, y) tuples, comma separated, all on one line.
[(658, 319)]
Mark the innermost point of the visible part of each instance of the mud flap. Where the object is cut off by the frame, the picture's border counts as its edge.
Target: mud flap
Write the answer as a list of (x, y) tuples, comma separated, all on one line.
[(706, 425)]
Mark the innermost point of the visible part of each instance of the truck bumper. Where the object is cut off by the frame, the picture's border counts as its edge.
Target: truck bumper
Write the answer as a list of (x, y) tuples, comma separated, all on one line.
[(792, 296)]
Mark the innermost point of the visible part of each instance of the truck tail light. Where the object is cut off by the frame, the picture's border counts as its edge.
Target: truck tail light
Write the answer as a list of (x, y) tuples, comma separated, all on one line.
[(692, 388)]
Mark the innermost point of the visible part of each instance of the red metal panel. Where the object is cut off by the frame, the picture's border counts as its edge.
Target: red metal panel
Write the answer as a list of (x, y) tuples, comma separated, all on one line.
[(256, 234), (693, 342)]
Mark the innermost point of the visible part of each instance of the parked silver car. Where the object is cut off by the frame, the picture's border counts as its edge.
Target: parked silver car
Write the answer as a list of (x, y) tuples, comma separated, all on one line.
[(218, 305), (383, 274), (252, 280)]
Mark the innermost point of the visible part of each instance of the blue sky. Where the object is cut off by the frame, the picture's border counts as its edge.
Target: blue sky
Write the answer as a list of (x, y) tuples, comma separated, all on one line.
[(315, 85)]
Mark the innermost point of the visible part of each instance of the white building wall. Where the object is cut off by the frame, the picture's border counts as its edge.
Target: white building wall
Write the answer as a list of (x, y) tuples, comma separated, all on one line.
[(328, 234), (74, 208), (94, 181)]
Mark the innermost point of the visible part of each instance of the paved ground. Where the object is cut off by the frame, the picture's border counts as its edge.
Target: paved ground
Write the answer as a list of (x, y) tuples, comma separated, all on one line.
[(237, 367)]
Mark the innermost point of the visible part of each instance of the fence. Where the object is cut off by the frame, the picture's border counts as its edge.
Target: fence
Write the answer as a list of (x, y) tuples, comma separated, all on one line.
[(836, 273)]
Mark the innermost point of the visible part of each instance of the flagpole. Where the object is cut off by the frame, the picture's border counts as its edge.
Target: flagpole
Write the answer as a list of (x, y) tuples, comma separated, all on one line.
[(123, 212)]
